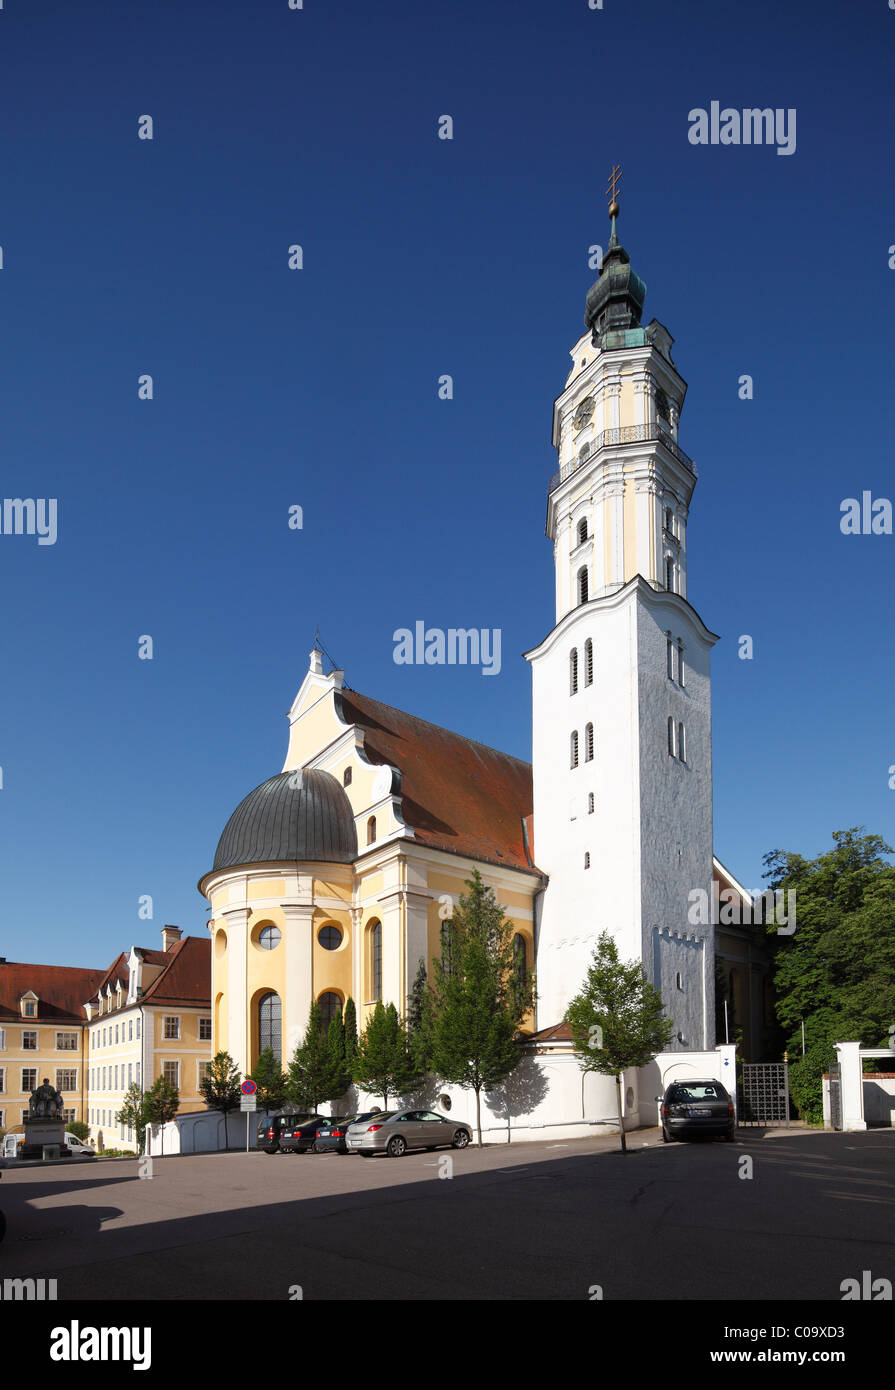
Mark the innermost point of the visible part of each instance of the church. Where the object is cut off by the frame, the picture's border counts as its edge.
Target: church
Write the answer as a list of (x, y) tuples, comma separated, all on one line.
[(336, 876)]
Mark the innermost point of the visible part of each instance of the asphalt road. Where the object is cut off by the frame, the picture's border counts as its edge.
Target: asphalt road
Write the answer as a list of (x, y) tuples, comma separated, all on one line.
[(527, 1221)]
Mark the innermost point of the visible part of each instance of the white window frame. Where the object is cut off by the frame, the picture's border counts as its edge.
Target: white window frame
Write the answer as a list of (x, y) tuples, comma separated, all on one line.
[(170, 1018), (66, 1033), (171, 1062), (74, 1072), (205, 1019), (23, 1087), (28, 1032)]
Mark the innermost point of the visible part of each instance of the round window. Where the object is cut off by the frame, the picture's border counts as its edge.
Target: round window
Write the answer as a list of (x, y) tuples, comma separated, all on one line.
[(445, 1102), (330, 937), (269, 938)]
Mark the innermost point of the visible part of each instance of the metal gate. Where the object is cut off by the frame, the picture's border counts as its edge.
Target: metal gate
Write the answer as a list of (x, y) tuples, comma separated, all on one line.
[(836, 1093), (764, 1094)]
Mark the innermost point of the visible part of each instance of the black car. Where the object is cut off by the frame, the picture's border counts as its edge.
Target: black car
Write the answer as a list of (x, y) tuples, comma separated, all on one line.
[(332, 1139), (270, 1130), (299, 1135), (696, 1107)]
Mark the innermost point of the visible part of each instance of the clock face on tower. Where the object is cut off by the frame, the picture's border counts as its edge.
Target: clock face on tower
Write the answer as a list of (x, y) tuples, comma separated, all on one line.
[(583, 413)]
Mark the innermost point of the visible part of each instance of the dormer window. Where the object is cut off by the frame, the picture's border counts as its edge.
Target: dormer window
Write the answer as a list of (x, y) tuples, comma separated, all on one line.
[(29, 1006)]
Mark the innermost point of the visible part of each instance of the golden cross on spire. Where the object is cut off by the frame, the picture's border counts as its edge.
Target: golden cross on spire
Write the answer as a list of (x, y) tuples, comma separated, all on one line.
[(614, 178)]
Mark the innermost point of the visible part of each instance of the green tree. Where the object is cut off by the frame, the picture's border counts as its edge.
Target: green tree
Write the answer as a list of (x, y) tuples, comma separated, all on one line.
[(134, 1113), (339, 1075), (270, 1079), (78, 1129), (162, 1104), (382, 1064), (220, 1088), (478, 998), (317, 1070), (349, 1025), (617, 1020), (836, 970), (419, 1020)]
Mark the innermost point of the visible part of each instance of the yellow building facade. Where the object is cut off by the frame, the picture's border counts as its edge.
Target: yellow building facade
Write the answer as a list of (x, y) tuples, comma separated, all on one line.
[(336, 877)]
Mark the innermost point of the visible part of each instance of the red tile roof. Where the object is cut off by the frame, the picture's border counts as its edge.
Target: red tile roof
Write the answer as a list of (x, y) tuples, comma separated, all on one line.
[(186, 979), (60, 989), (457, 795)]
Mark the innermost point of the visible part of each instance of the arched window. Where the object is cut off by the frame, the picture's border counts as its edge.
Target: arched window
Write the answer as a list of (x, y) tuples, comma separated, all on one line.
[(588, 743), (662, 409), (573, 671), (680, 662), (371, 831), (582, 584), (376, 960), (447, 948), (588, 662), (590, 803), (671, 735), (519, 961), (669, 521), (669, 656), (582, 532), (574, 749), (270, 1024), (330, 1005), (681, 743), (346, 777), (669, 573)]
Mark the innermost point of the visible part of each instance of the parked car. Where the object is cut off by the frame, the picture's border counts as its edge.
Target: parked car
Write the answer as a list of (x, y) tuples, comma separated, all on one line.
[(77, 1148), (395, 1131), (332, 1139), (696, 1107), (299, 1135), (272, 1126)]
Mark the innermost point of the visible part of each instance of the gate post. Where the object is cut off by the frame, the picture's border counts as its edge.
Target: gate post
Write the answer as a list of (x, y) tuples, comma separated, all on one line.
[(851, 1089)]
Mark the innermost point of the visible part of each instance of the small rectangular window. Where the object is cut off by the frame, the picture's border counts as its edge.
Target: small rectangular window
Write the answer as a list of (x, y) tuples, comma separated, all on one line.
[(66, 1042), (29, 1040), (172, 1073), (205, 1030), (172, 1027)]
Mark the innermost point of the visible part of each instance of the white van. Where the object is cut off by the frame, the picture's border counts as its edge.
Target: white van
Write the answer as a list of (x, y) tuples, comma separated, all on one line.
[(77, 1148)]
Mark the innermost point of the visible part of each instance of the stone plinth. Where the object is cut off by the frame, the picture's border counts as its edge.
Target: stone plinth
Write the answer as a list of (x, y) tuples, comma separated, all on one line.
[(39, 1132)]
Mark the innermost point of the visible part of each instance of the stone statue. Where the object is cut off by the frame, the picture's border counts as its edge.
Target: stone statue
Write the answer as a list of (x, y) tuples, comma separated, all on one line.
[(46, 1102)]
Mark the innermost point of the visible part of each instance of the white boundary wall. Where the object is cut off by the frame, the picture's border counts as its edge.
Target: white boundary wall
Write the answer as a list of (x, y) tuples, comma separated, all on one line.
[(548, 1097)]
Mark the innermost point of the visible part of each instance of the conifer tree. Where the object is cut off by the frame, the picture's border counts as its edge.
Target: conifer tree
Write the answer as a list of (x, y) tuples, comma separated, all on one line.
[(383, 1065), (418, 1019)]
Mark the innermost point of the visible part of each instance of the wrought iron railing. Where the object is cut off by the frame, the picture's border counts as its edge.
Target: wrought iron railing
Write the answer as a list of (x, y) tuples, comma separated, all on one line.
[(628, 434)]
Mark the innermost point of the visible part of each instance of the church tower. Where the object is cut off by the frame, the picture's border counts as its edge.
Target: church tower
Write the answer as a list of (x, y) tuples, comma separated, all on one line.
[(622, 752)]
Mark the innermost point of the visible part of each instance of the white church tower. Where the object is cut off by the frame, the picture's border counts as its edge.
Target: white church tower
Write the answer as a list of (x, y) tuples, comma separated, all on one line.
[(622, 746)]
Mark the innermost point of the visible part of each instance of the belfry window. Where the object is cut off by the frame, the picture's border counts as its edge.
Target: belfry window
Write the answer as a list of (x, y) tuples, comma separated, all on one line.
[(582, 584), (573, 671), (371, 831), (587, 859), (588, 662), (582, 532), (681, 743), (574, 749), (669, 573), (588, 743), (671, 735)]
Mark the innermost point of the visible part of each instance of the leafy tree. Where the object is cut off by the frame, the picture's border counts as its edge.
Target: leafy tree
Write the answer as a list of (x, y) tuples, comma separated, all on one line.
[(270, 1080), (383, 1064), (162, 1104), (836, 971), (78, 1129), (478, 998), (419, 1020), (617, 1020), (135, 1113), (220, 1088)]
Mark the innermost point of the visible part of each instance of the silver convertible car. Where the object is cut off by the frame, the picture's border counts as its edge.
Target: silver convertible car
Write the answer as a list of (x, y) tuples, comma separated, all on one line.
[(395, 1131)]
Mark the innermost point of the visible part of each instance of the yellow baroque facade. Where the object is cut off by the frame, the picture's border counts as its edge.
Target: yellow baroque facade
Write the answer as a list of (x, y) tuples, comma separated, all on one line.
[(334, 878)]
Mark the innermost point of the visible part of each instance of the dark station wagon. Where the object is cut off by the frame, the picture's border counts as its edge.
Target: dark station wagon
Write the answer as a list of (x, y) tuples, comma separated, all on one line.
[(696, 1107)]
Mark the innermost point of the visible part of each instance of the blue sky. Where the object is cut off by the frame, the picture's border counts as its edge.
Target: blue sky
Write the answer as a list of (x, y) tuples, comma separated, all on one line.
[(319, 388)]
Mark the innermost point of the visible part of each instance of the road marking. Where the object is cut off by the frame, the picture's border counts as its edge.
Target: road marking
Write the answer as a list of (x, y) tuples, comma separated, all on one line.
[(557, 1146)]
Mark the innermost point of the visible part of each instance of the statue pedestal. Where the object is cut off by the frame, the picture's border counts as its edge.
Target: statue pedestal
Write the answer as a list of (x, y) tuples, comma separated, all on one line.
[(39, 1132)]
